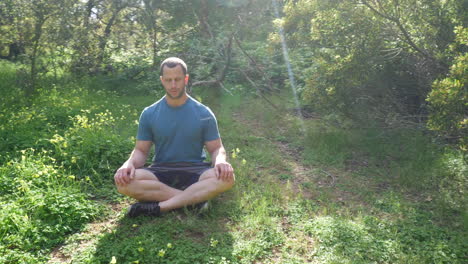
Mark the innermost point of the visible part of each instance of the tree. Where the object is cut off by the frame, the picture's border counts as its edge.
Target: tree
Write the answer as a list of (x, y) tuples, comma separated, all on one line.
[(370, 59), (449, 97)]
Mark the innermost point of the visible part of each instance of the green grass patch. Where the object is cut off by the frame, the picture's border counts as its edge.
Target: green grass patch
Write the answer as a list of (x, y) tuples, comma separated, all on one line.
[(59, 151), (41, 204), (361, 204)]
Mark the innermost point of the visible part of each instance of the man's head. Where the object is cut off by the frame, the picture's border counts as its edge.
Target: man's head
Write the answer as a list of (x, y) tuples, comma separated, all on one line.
[(174, 77), (171, 63)]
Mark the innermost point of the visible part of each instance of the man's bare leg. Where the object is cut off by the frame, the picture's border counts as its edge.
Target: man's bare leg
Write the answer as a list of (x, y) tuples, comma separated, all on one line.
[(146, 187), (206, 188)]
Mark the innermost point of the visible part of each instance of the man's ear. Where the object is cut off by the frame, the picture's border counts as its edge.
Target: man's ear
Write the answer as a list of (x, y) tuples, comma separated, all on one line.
[(186, 79)]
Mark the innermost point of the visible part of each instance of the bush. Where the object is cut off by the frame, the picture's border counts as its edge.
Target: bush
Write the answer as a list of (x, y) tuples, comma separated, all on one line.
[(454, 181), (449, 96)]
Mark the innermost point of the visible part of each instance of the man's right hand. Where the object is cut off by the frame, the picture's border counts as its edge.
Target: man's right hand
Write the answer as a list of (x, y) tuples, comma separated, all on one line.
[(124, 174)]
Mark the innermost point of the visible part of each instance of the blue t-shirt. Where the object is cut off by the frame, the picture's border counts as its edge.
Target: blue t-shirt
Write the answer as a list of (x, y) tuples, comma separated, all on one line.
[(178, 133)]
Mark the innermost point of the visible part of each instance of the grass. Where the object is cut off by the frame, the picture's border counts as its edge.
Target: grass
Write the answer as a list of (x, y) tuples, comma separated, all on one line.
[(329, 195)]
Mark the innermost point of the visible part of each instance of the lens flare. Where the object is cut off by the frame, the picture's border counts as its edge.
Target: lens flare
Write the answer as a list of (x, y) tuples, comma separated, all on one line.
[(290, 71)]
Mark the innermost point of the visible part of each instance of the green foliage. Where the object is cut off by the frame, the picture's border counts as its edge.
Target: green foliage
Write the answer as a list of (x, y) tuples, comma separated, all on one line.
[(11, 93), (91, 146), (263, 219), (328, 145), (386, 226), (449, 97), (371, 63), (371, 239), (405, 157), (77, 144), (29, 126), (40, 205), (454, 181)]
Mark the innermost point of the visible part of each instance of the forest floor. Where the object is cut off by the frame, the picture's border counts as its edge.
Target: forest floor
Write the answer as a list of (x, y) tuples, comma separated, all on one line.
[(285, 208), (311, 190)]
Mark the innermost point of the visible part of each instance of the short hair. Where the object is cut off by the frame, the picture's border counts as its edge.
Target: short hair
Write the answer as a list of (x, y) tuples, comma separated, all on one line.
[(171, 63)]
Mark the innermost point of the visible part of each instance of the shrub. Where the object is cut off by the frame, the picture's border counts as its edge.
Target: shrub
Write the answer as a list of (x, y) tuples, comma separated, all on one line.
[(449, 98), (454, 181)]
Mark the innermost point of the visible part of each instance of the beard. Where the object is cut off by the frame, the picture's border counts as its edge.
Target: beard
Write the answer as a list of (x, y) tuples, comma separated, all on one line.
[(178, 96)]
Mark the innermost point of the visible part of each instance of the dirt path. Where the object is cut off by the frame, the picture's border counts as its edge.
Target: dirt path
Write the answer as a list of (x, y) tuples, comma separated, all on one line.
[(76, 244), (301, 174)]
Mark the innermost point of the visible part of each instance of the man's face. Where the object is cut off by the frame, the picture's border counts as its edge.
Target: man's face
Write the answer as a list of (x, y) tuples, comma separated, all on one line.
[(174, 81)]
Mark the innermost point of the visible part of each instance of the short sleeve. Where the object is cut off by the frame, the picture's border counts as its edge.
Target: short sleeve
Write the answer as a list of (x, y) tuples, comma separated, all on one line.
[(211, 128), (144, 128)]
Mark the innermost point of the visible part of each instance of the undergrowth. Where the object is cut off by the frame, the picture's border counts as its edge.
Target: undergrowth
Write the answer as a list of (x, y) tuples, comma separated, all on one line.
[(354, 196), (59, 150)]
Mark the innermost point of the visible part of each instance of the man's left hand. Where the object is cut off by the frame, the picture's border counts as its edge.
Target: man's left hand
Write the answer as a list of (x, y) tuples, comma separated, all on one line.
[(224, 171)]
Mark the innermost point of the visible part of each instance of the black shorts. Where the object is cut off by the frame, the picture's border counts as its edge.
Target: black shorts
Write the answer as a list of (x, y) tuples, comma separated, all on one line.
[(179, 175)]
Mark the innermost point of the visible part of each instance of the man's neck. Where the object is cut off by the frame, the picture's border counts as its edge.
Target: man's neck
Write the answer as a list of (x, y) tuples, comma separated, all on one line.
[(176, 102)]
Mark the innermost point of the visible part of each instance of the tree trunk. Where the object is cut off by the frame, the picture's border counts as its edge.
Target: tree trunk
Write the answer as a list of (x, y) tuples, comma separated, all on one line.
[(105, 37), (31, 87)]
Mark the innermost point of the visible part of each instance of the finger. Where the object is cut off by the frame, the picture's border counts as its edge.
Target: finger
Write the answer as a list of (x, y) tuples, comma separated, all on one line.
[(118, 181), (216, 169), (128, 175), (220, 172), (117, 178), (122, 178), (132, 173), (225, 170), (231, 175)]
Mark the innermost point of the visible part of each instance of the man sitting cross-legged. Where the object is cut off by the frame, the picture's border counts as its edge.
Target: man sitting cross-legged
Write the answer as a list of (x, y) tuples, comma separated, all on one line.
[(179, 127)]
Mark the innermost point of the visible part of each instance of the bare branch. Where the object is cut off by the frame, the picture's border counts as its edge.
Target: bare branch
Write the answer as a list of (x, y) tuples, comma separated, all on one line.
[(259, 92), (254, 62), (222, 75), (377, 11), (406, 36)]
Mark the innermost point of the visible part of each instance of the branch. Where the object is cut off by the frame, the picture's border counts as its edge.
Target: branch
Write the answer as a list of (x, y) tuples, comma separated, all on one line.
[(258, 90), (377, 11), (406, 35), (202, 18), (206, 83), (222, 75), (270, 85)]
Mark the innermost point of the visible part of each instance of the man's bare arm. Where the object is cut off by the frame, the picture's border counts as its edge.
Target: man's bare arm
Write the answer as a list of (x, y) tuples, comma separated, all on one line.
[(223, 169), (136, 160)]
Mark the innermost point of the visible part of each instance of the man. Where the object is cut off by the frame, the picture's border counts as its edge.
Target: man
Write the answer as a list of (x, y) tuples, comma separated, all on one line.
[(179, 127)]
